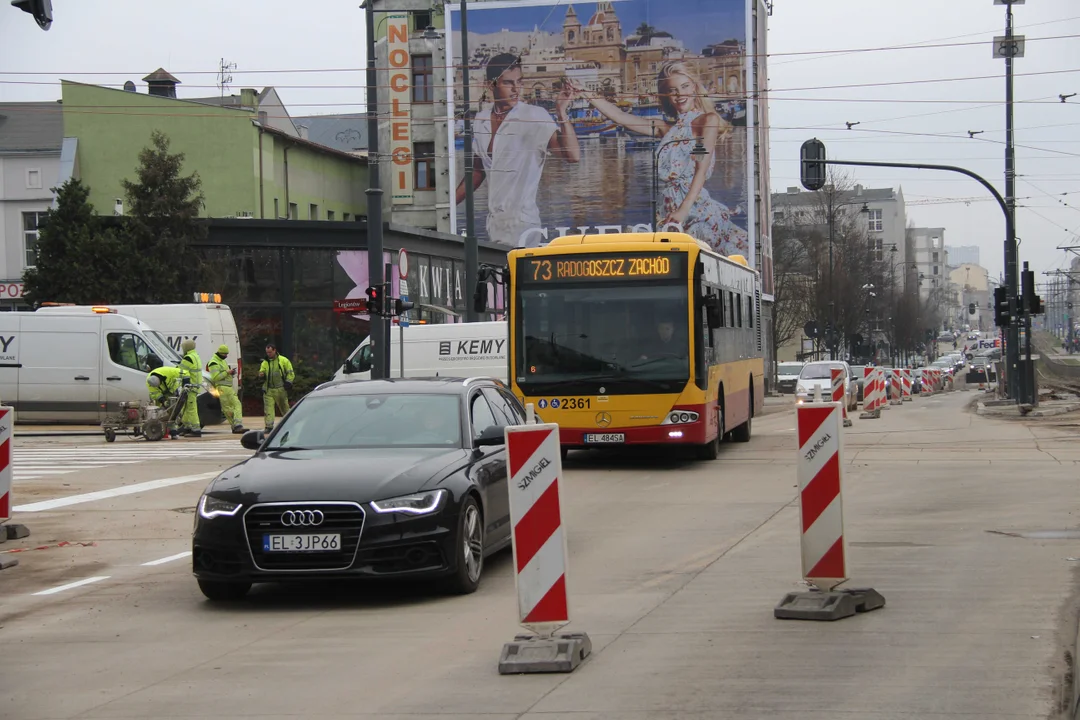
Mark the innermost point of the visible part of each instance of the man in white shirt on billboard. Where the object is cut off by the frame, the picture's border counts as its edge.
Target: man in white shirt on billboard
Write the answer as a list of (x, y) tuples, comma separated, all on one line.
[(511, 140)]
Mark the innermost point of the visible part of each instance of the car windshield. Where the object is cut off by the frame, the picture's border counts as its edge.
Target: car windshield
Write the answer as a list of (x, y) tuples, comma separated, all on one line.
[(629, 338), (162, 348), (819, 372), (789, 369), (346, 421)]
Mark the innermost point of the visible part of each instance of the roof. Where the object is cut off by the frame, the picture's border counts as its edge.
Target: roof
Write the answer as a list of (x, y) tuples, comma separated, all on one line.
[(433, 385), (31, 126), (345, 133), (160, 75), (802, 199), (312, 145)]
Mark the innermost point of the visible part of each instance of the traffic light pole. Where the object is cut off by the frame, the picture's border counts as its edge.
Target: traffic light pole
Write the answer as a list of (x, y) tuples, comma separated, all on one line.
[(813, 153), (1012, 343)]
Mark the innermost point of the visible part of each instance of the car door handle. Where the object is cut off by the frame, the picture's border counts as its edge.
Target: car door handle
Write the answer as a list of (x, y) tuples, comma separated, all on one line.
[(114, 377), (81, 377)]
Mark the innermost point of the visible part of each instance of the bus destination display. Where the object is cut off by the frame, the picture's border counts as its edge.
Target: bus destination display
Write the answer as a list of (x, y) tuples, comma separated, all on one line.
[(600, 267)]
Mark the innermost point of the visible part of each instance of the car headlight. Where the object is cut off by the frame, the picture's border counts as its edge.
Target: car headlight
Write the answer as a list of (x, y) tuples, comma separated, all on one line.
[(212, 507), (416, 504), (801, 389)]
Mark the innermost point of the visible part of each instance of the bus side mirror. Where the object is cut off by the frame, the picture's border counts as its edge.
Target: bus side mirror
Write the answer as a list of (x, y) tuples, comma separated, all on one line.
[(714, 315), (480, 297)]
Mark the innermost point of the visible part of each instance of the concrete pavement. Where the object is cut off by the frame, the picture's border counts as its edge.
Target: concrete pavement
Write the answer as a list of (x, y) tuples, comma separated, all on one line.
[(675, 567)]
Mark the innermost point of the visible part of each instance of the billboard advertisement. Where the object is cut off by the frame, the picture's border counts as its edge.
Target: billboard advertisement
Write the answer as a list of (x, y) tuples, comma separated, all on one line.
[(606, 117)]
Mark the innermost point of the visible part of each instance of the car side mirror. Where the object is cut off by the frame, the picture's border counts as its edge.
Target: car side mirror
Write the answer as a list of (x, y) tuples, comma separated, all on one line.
[(489, 436), (347, 367), (252, 439)]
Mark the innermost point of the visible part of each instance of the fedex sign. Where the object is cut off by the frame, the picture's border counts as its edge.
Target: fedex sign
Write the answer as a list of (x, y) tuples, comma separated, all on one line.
[(400, 84)]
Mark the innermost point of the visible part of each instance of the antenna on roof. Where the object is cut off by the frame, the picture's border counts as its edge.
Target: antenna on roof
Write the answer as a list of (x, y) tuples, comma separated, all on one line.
[(224, 77)]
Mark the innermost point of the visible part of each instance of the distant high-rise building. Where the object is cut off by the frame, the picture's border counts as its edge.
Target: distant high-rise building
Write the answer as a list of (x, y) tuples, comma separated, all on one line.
[(963, 255)]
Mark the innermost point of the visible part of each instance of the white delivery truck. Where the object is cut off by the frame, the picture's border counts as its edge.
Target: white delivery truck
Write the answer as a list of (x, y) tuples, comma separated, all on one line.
[(208, 324), (75, 367), (443, 350)]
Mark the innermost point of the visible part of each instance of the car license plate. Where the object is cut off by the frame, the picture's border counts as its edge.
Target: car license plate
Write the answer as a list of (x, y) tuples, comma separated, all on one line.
[(301, 543), (605, 438)]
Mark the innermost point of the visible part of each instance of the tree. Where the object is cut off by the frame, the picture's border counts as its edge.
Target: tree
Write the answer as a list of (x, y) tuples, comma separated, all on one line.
[(79, 259), (164, 223)]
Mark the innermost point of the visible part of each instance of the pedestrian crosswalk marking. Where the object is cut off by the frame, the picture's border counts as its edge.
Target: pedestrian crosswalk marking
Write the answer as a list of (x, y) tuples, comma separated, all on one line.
[(29, 463)]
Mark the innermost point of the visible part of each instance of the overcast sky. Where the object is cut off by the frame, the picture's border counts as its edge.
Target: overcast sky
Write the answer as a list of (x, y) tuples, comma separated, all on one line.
[(110, 41)]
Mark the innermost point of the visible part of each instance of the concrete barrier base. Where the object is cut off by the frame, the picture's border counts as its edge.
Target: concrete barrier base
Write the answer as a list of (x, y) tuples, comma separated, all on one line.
[(828, 606), (6, 563), (562, 652), (14, 531), (872, 415)]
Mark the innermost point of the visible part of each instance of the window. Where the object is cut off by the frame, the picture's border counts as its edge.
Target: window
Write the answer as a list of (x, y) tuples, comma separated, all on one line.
[(128, 350), (31, 222), (424, 157), (875, 221), (346, 217), (738, 310), (421, 20), (313, 212), (294, 211), (482, 417), (277, 210), (423, 79), (935, 257), (935, 268), (749, 311), (330, 215), (33, 179), (731, 309), (504, 411)]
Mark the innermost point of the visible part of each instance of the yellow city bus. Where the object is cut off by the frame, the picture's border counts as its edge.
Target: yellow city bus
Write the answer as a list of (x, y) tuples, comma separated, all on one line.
[(636, 339)]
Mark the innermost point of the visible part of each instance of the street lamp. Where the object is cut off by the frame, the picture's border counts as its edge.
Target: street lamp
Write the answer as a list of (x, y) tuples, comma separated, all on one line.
[(699, 151)]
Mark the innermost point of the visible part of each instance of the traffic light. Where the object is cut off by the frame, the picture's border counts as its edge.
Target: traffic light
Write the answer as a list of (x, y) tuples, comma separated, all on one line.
[(1002, 318), (971, 309), (374, 301), (1032, 302), (40, 9), (811, 168), (402, 306)]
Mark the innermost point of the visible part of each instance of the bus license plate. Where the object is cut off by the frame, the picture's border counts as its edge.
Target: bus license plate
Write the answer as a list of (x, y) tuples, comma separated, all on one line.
[(301, 543), (605, 438)]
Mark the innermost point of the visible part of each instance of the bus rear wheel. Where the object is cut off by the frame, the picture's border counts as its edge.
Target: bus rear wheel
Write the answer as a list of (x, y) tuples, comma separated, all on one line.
[(711, 450)]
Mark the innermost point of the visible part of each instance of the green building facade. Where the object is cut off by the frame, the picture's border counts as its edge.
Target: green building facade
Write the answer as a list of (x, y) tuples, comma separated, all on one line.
[(250, 164)]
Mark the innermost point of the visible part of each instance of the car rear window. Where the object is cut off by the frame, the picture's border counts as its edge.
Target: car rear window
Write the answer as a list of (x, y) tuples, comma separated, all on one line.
[(343, 421)]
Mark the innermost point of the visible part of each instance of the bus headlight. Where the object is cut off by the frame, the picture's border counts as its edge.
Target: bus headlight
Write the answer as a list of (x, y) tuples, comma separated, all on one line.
[(680, 417)]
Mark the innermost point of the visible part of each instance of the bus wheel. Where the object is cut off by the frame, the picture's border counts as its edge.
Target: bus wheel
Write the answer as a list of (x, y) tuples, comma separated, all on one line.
[(742, 433), (711, 450)]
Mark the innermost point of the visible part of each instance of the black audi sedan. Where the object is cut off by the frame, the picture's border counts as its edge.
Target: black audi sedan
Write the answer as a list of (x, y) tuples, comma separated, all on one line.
[(364, 478)]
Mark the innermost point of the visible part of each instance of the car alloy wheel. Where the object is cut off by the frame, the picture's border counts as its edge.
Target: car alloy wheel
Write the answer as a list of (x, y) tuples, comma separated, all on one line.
[(470, 544)]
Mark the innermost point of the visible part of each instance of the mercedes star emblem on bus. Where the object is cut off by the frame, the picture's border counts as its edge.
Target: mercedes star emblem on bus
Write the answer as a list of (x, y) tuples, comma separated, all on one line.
[(603, 419)]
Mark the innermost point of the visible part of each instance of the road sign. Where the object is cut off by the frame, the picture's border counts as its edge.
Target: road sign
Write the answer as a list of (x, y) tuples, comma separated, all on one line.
[(352, 305), (403, 289), (403, 265)]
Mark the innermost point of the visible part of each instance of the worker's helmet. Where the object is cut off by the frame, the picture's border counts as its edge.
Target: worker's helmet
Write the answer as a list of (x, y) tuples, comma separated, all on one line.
[(153, 362), (223, 350), (155, 381)]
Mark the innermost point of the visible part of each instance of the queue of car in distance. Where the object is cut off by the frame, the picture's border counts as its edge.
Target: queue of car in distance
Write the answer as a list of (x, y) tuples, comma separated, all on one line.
[(375, 479)]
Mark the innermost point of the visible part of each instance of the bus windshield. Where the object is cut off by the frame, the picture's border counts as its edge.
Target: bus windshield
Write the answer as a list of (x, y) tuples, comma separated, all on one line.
[(627, 338)]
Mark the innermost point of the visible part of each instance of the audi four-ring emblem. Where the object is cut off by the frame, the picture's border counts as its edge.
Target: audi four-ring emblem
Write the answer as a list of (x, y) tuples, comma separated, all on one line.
[(302, 518)]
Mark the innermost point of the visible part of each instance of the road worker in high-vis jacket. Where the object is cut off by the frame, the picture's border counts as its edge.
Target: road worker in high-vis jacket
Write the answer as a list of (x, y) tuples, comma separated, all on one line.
[(221, 377), (276, 373), (192, 365), (163, 382)]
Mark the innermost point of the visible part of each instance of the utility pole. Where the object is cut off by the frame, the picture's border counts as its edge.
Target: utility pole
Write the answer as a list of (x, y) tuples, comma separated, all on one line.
[(374, 193), (1010, 47), (472, 252)]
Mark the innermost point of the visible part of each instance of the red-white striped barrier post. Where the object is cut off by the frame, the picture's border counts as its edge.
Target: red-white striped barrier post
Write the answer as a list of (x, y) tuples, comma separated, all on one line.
[(871, 409), (7, 531), (838, 392), (895, 392), (927, 381), (906, 375), (821, 522), (534, 468)]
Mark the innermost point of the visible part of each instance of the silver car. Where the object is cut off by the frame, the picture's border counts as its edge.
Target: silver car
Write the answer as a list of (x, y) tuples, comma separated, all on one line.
[(819, 374)]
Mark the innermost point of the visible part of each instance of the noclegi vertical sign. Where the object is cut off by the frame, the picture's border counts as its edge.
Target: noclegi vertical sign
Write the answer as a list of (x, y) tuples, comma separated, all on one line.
[(400, 85)]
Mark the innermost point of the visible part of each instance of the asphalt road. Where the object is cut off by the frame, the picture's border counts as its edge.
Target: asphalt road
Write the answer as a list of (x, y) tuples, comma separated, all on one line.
[(675, 567)]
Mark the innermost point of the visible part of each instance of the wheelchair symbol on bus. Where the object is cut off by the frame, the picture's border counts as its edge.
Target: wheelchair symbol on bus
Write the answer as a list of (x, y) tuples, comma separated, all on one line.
[(555, 403)]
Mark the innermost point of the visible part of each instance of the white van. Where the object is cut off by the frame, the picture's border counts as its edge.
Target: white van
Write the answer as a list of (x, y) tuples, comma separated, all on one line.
[(208, 324), (446, 350), (74, 368)]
